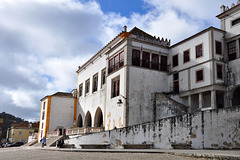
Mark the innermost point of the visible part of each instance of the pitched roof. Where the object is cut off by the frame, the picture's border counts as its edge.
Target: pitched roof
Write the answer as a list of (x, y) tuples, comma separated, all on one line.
[(84, 65), (135, 31), (25, 125), (60, 94), (197, 34), (63, 94)]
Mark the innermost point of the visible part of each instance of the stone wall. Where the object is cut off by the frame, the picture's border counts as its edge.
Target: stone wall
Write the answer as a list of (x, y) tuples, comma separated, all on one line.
[(167, 107), (213, 129)]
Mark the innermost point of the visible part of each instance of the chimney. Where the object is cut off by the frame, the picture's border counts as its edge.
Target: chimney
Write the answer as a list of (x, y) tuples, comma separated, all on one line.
[(238, 2), (233, 5), (222, 8), (125, 28)]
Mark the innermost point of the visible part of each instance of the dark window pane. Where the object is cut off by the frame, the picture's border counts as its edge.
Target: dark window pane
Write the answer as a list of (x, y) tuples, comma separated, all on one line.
[(175, 60), (219, 71), (146, 59), (199, 51), (186, 56), (135, 57), (155, 61), (231, 50), (199, 75), (163, 65), (218, 47)]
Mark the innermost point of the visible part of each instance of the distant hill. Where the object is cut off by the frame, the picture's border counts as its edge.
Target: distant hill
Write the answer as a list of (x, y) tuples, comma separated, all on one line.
[(8, 120)]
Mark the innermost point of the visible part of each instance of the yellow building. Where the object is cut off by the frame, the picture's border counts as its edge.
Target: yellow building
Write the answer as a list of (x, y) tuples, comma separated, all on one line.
[(21, 132)]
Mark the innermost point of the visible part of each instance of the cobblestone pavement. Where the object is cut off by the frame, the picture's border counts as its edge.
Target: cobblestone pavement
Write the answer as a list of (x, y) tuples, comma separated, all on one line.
[(38, 154)]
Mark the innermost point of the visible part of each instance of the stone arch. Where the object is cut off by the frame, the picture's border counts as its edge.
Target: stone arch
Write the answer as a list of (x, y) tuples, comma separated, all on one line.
[(98, 119), (79, 121), (88, 120), (236, 96)]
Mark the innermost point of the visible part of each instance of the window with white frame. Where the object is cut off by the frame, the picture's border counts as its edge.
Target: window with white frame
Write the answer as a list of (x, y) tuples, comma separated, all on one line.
[(87, 86), (115, 86), (103, 76), (95, 83), (80, 90)]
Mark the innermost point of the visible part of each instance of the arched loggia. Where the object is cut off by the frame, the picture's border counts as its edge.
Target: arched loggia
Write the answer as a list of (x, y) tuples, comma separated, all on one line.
[(88, 120), (98, 119), (79, 121)]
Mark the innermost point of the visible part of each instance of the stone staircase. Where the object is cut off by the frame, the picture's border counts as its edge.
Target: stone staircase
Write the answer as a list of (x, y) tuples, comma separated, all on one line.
[(50, 141), (31, 143)]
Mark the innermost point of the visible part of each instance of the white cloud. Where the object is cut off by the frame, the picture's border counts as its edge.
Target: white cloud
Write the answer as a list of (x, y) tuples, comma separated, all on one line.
[(22, 98)]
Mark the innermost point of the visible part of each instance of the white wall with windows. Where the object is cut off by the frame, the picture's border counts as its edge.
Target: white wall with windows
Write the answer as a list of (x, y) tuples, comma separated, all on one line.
[(191, 44), (95, 97)]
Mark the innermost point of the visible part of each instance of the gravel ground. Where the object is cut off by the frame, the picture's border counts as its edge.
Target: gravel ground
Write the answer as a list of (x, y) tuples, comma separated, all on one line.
[(38, 154)]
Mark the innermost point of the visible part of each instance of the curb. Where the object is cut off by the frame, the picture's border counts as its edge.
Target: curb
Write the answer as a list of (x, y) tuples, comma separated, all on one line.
[(216, 156)]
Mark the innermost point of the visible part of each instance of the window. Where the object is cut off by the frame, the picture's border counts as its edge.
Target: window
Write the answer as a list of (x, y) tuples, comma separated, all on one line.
[(199, 75), (231, 50), (20, 133), (111, 66), (175, 60), (146, 59), (236, 21), (103, 76), (186, 56), (121, 59), (42, 125), (87, 86), (95, 83), (218, 48), (199, 51), (116, 62), (43, 114), (155, 61), (115, 87), (80, 90), (30, 133), (175, 83), (135, 57), (44, 103), (219, 71), (163, 65)]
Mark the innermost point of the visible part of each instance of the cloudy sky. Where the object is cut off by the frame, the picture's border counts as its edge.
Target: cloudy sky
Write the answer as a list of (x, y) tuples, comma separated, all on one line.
[(42, 42)]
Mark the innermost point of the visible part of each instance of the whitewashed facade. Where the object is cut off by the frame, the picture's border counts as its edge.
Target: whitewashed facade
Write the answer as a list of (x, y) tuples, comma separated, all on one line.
[(197, 79)]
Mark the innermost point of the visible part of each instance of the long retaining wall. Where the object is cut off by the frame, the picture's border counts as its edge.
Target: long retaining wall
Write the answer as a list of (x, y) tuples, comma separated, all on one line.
[(213, 129)]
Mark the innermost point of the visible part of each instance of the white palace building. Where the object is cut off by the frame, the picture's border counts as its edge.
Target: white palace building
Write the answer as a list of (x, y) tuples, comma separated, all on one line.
[(123, 84)]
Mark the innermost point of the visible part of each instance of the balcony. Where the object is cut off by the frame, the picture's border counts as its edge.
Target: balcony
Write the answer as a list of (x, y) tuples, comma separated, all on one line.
[(151, 65), (115, 67)]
